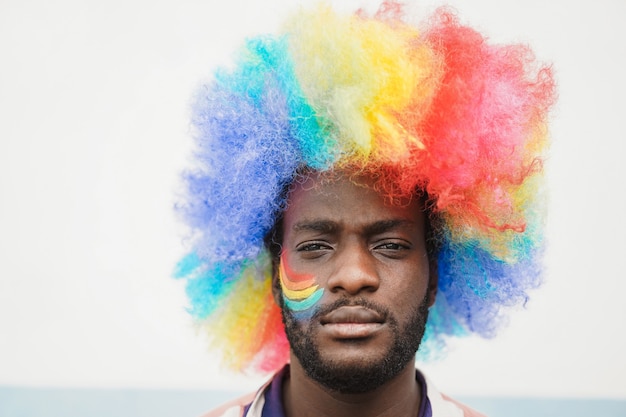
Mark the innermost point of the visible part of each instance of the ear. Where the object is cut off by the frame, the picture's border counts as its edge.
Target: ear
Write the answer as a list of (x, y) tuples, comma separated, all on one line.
[(276, 290), (433, 281)]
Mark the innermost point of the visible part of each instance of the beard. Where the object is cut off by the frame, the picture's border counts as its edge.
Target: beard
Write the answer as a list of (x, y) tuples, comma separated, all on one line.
[(363, 377)]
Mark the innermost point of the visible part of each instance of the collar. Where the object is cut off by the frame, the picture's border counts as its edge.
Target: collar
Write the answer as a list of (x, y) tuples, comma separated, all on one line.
[(271, 394)]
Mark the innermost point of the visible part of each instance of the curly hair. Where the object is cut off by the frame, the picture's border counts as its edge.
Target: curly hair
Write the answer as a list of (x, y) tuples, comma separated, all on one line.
[(436, 108)]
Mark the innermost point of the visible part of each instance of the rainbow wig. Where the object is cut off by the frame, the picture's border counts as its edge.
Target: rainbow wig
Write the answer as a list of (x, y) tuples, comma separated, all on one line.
[(436, 109)]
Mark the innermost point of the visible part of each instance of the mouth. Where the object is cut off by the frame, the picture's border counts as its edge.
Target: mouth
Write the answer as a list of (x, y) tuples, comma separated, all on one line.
[(352, 322)]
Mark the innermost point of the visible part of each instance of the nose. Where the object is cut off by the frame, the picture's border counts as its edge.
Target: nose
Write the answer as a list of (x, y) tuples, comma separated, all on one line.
[(355, 271)]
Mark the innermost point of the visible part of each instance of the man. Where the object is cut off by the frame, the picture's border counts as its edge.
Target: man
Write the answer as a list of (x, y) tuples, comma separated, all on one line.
[(362, 188)]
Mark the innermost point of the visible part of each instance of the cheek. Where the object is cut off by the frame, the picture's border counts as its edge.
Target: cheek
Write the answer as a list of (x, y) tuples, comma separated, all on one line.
[(407, 283), (300, 292)]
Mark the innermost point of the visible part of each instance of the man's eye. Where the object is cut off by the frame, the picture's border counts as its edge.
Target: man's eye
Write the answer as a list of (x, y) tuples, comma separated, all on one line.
[(310, 247), (392, 246)]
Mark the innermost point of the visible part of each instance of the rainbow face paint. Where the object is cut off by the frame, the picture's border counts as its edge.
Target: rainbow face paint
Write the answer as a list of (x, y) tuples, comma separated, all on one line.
[(300, 291)]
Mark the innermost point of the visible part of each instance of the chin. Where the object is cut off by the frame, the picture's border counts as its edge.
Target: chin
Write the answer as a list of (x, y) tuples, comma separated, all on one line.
[(352, 366), (356, 374), (356, 365)]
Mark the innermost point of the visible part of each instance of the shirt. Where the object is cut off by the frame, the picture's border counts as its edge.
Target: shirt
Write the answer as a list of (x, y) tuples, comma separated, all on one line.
[(267, 402)]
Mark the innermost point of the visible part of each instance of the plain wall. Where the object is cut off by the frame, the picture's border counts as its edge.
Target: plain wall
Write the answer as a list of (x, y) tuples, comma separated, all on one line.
[(94, 131)]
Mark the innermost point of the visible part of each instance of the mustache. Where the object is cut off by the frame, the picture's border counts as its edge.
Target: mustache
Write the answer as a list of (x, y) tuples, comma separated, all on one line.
[(350, 302)]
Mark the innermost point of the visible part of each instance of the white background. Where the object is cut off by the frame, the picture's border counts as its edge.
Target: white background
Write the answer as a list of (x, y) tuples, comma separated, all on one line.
[(94, 130)]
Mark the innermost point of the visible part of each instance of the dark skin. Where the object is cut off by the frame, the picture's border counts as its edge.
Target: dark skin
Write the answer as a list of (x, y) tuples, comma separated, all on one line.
[(357, 246)]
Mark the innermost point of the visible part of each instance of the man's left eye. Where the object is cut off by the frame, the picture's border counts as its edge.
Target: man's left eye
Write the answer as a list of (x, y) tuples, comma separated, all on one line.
[(391, 246)]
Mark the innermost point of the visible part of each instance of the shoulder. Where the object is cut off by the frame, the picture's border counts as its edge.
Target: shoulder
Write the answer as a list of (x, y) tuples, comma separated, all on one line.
[(445, 406), (253, 402), (467, 411), (232, 408)]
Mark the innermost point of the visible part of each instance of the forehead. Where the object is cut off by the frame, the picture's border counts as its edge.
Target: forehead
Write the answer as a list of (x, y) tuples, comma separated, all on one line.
[(347, 200)]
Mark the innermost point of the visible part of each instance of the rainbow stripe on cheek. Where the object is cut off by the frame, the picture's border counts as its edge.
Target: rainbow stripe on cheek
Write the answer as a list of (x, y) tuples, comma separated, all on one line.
[(300, 291)]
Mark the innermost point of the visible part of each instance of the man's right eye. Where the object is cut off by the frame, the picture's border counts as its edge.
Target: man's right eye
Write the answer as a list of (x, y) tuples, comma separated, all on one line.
[(310, 247)]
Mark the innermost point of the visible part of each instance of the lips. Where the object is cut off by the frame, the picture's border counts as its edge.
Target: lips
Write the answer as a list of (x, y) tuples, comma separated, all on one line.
[(351, 322)]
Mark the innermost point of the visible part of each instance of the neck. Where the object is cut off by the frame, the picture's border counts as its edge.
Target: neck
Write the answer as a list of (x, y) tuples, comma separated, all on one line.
[(304, 397)]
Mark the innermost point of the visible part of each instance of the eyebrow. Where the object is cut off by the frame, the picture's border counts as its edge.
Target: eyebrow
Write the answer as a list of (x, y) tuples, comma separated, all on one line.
[(383, 226), (322, 226), (328, 226)]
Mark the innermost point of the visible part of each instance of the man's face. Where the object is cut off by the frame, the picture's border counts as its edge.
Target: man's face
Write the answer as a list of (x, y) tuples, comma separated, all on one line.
[(369, 259)]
